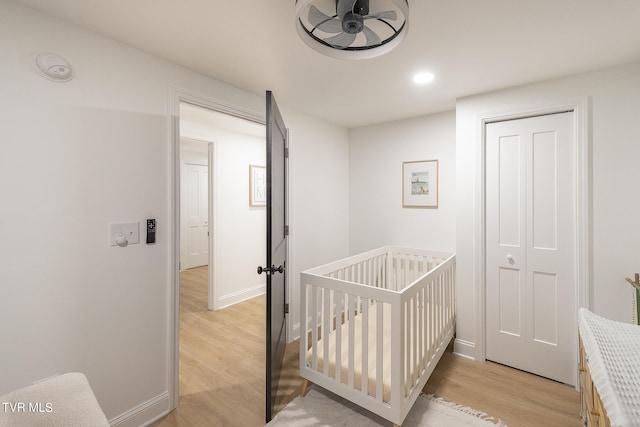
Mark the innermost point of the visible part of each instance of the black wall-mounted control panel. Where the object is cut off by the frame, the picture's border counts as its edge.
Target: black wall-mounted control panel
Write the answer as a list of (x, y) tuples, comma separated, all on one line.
[(151, 231)]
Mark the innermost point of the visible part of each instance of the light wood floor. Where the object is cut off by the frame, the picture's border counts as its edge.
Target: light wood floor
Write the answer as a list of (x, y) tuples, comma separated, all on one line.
[(222, 369), (222, 361), (518, 398)]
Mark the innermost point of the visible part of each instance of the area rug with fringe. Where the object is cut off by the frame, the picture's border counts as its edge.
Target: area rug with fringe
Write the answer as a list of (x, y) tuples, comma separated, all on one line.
[(320, 408)]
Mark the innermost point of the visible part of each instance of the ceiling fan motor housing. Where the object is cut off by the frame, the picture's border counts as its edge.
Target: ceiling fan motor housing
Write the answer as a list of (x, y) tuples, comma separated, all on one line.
[(361, 7), (352, 23)]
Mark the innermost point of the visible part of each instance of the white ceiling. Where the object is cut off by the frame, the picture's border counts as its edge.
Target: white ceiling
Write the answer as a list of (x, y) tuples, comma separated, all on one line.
[(472, 46)]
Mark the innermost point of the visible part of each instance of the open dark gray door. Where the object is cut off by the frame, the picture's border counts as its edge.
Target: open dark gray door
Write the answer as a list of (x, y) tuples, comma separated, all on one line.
[(276, 250)]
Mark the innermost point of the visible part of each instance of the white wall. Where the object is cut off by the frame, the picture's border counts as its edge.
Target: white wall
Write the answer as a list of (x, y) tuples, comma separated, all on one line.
[(615, 150), (376, 154), (318, 199), (77, 156), (239, 230)]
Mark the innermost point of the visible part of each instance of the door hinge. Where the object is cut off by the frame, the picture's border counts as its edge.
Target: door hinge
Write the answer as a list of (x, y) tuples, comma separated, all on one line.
[(286, 153), (286, 230), (286, 308)]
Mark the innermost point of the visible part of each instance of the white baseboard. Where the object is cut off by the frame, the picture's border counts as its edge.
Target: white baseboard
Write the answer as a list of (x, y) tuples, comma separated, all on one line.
[(464, 348), (295, 333), (145, 413), (243, 295)]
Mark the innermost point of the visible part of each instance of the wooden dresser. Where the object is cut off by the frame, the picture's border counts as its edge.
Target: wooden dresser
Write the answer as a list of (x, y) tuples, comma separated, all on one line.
[(593, 411)]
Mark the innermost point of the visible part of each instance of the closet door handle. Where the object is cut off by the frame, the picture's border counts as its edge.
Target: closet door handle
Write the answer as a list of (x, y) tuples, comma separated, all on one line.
[(511, 259)]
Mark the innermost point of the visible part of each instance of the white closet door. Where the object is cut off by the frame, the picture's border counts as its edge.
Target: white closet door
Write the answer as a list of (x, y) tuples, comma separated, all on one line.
[(196, 215), (530, 245)]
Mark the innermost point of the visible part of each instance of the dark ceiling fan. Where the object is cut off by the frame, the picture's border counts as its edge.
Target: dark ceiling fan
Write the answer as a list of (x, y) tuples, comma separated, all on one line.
[(352, 28)]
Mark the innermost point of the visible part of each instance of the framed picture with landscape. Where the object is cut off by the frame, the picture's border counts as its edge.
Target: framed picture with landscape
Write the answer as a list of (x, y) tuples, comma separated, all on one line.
[(420, 184)]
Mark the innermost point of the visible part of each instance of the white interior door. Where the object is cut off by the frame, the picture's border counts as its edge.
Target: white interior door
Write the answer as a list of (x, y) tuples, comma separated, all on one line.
[(531, 301), (196, 215)]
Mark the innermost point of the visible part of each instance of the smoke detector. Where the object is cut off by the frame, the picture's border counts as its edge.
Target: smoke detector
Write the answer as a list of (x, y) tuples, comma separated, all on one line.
[(52, 67)]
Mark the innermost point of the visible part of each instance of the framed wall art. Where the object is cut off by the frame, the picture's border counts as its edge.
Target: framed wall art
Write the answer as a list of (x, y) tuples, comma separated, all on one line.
[(257, 186), (420, 184)]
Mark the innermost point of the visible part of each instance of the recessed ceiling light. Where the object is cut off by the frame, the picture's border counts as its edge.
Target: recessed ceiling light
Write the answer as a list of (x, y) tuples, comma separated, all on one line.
[(423, 78)]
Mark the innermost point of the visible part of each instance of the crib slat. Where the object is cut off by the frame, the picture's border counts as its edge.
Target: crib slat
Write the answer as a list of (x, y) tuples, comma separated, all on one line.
[(352, 338), (421, 334), (438, 306), (451, 297), (364, 383), (442, 303), (366, 277), (415, 260), (407, 343), (385, 270), (452, 286), (407, 272), (431, 320), (416, 339), (314, 327), (411, 337), (372, 272), (326, 318), (379, 346), (395, 268), (445, 297), (391, 273), (338, 328), (439, 299), (424, 326)]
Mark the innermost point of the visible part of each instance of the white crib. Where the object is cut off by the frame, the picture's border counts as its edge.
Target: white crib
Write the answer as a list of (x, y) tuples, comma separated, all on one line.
[(377, 323)]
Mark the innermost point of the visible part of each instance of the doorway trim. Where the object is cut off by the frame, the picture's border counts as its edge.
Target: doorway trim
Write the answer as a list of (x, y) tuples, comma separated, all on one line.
[(176, 97), (582, 180), (211, 154)]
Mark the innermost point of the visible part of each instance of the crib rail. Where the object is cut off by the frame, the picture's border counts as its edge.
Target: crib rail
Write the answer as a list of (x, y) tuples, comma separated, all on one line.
[(427, 315), (385, 316), (389, 267)]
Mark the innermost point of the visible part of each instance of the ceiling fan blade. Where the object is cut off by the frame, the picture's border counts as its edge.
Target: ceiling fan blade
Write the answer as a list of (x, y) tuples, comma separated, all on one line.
[(342, 40), (344, 6), (372, 38), (390, 15), (324, 22)]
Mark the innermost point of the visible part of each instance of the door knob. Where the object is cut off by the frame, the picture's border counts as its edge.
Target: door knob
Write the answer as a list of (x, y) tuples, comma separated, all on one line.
[(271, 270), (511, 259)]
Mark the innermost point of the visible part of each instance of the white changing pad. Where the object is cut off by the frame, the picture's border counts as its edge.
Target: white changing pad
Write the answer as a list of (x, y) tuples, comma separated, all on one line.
[(63, 401), (613, 352)]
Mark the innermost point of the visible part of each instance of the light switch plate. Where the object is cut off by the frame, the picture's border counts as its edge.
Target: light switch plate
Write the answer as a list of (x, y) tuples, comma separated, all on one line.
[(130, 230)]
